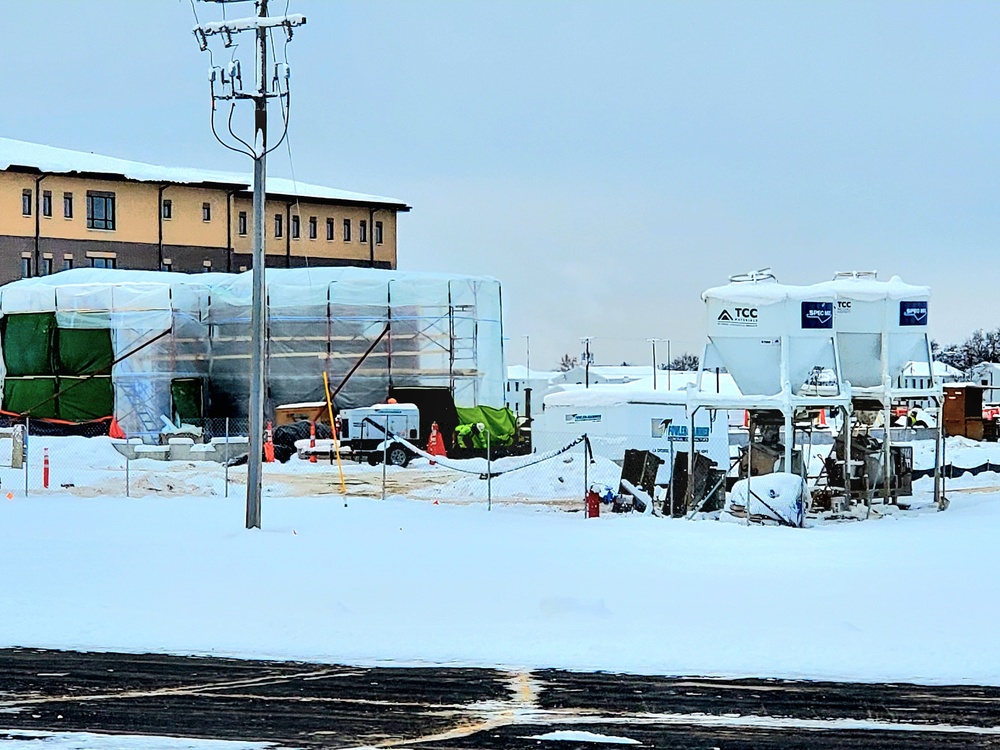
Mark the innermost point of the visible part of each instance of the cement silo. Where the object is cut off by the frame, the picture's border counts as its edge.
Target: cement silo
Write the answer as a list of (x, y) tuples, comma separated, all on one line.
[(880, 327), (770, 335)]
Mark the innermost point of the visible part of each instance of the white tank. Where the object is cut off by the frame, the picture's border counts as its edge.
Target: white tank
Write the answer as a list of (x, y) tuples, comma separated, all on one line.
[(752, 317), (865, 308)]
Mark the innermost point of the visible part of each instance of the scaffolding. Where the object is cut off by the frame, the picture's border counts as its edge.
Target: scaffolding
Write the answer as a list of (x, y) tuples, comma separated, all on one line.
[(391, 329)]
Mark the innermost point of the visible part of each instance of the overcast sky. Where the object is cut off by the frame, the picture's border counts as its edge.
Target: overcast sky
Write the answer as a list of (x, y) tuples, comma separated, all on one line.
[(607, 161)]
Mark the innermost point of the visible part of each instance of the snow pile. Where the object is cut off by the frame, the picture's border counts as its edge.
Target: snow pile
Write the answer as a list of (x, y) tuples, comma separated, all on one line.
[(958, 451)]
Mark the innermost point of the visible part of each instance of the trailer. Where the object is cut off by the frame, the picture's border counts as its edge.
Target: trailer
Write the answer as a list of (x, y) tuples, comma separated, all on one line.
[(617, 418)]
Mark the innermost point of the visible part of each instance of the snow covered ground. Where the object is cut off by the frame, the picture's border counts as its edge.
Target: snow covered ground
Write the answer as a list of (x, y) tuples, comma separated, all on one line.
[(908, 597)]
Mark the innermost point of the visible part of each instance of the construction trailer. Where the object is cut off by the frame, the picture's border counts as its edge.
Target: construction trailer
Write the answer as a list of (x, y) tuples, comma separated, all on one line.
[(834, 348), (89, 344), (618, 418)]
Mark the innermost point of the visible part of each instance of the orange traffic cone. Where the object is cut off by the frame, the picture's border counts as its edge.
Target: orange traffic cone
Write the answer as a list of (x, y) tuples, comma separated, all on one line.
[(312, 442), (822, 417), (115, 431), (435, 443), (268, 445), (746, 418)]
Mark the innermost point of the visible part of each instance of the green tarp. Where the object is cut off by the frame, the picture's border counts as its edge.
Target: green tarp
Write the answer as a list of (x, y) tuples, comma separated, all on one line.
[(84, 351), (187, 397), (500, 423), (30, 394), (27, 343), (83, 399)]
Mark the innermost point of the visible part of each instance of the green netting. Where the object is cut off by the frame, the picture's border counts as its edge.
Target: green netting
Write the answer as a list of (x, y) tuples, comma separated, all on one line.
[(187, 398), (83, 351), (30, 394), (83, 399), (500, 423), (27, 343)]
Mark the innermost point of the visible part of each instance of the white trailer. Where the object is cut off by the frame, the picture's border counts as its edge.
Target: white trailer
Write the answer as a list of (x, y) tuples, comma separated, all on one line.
[(616, 418), (362, 431)]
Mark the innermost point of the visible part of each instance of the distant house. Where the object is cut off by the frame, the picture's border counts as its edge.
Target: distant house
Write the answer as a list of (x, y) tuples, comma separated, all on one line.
[(917, 376), (986, 374), (520, 380)]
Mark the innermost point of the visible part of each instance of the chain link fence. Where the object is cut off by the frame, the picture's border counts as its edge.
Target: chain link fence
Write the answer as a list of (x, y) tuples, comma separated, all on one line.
[(209, 460)]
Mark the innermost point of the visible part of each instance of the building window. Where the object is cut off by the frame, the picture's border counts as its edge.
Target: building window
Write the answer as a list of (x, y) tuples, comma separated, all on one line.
[(277, 225), (243, 269), (347, 230), (46, 269), (362, 231), (25, 267), (241, 224), (67, 262), (100, 211), (378, 232), (295, 227), (206, 211), (167, 209), (68, 205), (103, 263), (46, 203), (329, 229), (167, 265), (26, 203), (206, 266), (312, 227)]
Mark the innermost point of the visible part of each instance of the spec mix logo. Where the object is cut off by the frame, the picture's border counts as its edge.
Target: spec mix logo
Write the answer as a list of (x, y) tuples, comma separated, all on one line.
[(817, 314), (738, 316), (913, 313)]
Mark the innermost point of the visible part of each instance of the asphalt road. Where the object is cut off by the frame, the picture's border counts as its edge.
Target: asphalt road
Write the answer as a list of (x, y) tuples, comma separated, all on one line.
[(322, 706)]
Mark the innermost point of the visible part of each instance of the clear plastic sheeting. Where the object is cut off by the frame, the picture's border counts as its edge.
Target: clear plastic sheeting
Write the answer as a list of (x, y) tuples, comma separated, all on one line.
[(422, 329), (418, 329)]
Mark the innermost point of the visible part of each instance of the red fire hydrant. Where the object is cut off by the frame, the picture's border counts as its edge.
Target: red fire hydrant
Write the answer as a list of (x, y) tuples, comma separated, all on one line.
[(593, 504)]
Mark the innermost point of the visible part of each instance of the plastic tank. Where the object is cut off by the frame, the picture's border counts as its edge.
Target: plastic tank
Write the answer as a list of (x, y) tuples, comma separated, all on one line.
[(865, 308)]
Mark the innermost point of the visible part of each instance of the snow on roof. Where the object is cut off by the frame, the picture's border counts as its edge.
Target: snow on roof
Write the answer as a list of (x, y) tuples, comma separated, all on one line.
[(920, 370), (872, 289), (770, 291), (519, 372), (985, 366), (50, 159), (641, 391)]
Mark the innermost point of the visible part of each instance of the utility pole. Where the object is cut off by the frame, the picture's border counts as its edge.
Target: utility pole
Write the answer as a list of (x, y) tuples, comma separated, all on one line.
[(586, 361), (527, 358), (653, 342), (265, 88)]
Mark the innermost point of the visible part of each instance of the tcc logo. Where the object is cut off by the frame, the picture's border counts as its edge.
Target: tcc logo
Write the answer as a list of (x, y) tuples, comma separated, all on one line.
[(746, 316)]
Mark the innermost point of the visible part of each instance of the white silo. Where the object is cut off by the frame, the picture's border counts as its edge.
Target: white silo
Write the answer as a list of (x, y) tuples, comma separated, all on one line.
[(880, 326), (766, 333), (746, 320)]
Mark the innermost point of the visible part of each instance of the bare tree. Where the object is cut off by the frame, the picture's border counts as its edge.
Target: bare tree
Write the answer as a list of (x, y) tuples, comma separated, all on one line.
[(981, 346)]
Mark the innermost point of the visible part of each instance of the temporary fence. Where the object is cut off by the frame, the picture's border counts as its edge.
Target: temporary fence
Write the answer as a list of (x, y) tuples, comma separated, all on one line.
[(209, 460)]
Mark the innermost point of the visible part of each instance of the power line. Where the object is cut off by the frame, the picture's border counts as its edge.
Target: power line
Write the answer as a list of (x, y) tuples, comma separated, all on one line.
[(267, 87)]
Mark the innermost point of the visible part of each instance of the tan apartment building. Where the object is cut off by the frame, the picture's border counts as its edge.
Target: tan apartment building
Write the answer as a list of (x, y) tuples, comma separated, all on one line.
[(64, 209)]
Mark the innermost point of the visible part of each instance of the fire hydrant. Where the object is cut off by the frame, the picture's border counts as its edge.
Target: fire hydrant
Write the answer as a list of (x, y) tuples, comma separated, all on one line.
[(593, 504)]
